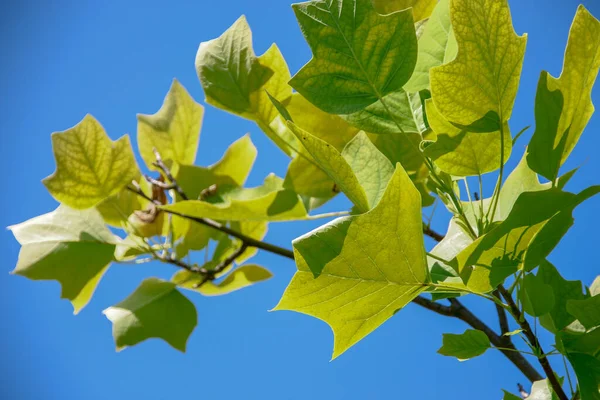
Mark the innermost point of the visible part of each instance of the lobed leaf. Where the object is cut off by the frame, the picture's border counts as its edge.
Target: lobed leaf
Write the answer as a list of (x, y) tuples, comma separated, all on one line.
[(89, 166), (421, 8), (355, 272), (470, 344)]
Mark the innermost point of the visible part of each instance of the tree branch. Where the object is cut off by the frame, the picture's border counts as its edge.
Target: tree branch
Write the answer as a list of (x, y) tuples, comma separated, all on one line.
[(533, 340), (502, 317), (458, 310), (209, 275), (438, 237)]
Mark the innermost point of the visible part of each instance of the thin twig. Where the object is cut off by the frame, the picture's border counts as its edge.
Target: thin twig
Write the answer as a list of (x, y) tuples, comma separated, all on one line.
[(438, 237), (533, 340), (502, 317), (210, 274), (165, 170)]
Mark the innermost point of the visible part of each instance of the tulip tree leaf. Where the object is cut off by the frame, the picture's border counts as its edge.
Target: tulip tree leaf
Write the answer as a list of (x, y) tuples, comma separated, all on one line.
[(421, 8), (156, 309), (470, 344), (269, 202), (587, 311), (437, 46), (510, 396), (536, 296), (89, 166), (459, 152), (244, 276), (563, 105), (237, 81), (587, 370), (367, 266), (70, 246), (174, 130), (480, 85), (359, 56)]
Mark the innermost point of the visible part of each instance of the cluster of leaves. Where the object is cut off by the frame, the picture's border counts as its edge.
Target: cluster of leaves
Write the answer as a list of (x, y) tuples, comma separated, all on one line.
[(401, 102)]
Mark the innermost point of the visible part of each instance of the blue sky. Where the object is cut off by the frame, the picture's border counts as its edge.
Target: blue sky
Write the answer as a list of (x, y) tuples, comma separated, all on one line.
[(113, 59)]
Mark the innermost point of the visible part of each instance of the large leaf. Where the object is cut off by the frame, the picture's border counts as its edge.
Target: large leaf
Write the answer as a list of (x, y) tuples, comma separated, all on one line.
[(563, 105), (235, 80), (587, 311), (563, 290), (480, 85), (459, 152), (583, 352), (360, 170), (174, 130), (536, 296), (269, 202), (156, 309), (471, 343), (421, 8), (244, 276), (535, 225), (366, 266), (359, 56), (70, 246), (89, 166), (437, 46)]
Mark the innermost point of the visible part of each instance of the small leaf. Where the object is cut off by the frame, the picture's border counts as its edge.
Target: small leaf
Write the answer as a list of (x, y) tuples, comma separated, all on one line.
[(359, 286), (244, 276), (156, 309), (437, 46), (174, 130), (512, 333), (89, 166), (586, 311), (563, 105), (359, 56), (421, 8), (510, 396), (536, 296), (470, 344), (70, 246), (481, 84), (237, 81)]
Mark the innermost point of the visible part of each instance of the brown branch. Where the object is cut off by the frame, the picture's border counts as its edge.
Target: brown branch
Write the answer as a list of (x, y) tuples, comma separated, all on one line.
[(210, 274), (533, 340), (165, 170), (502, 317), (457, 310), (438, 237)]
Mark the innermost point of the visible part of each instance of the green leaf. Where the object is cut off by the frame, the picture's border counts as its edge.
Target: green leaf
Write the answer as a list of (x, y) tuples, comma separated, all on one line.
[(70, 246), (536, 296), (563, 291), (563, 105), (459, 152), (174, 130), (510, 396), (421, 8), (269, 202), (479, 87), (437, 46), (359, 56), (89, 166), (470, 344), (360, 170), (587, 370), (359, 285), (117, 208), (237, 81), (534, 227), (244, 276), (587, 311), (156, 309)]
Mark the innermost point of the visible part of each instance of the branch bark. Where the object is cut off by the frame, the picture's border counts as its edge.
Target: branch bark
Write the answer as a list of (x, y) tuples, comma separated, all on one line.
[(533, 340)]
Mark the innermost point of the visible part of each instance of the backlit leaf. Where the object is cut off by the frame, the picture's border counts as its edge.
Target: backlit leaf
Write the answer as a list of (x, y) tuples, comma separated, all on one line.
[(156, 309), (536, 296), (470, 344), (563, 105), (174, 130), (70, 246), (359, 56), (480, 85), (366, 266), (421, 8), (244, 276), (89, 166), (587, 311)]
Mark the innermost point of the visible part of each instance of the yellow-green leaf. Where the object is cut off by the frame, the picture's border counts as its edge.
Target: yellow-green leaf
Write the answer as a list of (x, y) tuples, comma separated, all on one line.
[(70, 246), (480, 85), (359, 55), (156, 309), (563, 105), (469, 344), (421, 9), (367, 266), (89, 166), (237, 81), (174, 130), (242, 277)]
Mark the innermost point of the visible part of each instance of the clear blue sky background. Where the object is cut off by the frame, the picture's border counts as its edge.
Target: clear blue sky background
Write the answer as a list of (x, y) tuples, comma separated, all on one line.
[(113, 59)]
